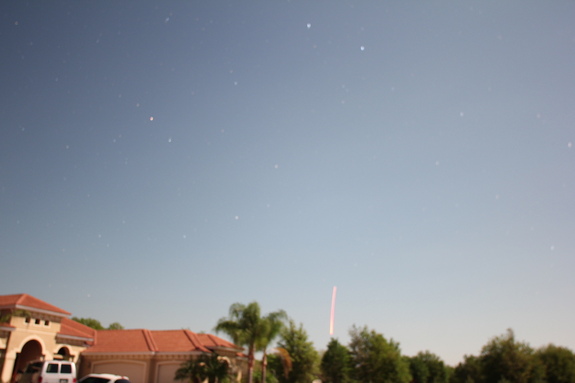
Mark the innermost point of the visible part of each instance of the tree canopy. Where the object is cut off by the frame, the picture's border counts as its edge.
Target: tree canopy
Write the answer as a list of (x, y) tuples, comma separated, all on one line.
[(273, 324), (427, 367), (96, 325), (205, 367), (558, 363), (246, 327), (336, 364), (371, 358), (468, 371), (299, 356), (377, 360), (115, 326), (504, 358), (90, 322)]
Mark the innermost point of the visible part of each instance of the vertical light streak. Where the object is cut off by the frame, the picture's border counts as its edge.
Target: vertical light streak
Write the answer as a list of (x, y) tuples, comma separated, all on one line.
[(332, 314)]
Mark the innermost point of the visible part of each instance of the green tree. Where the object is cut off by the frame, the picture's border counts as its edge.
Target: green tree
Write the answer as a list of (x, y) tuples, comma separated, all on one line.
[(90, 322), (426, 367), (246, 327), (206, 367), (418, 370), (270, 378), (272, 326), (297, 354), (503, 358), (468, 371), (280, 363), (216, 369), (115, 326), (376, 359), (96, 325), (191, 371), (558, 364), (6, 315), (336, 363)]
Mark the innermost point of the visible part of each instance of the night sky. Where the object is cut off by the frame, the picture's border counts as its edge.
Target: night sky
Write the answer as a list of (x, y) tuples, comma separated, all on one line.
[(161, 161)]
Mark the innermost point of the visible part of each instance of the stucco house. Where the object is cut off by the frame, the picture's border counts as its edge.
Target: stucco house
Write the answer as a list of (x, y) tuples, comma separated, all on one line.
[(32, 329)]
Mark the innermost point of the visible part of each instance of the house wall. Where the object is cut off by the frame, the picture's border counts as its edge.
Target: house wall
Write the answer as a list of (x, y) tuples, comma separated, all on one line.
[(142, 368), (135, 370), (165, 371), (134, 366), (28, 330), (36, 336), (152, 368)]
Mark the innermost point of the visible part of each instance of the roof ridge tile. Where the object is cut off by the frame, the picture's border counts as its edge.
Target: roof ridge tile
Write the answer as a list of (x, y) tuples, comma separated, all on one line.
[(193, 337), (149, 337)]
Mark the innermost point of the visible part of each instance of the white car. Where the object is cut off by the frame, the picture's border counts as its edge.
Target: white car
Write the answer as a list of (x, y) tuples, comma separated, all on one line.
[(104, 378), (49, 371)]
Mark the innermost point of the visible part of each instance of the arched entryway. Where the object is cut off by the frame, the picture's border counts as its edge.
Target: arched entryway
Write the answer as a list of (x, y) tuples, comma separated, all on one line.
[(32, 350), (64, 353)]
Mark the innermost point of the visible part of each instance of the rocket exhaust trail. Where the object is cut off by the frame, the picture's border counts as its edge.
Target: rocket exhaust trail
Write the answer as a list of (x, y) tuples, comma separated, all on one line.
[(332, 314)]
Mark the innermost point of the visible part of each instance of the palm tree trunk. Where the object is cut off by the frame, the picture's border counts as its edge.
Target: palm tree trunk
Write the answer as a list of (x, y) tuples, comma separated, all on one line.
[(251, 358), (264, 366)]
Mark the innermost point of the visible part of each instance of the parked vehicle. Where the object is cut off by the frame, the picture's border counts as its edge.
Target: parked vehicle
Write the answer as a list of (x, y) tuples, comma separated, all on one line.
[(49, 371), (104, 378)]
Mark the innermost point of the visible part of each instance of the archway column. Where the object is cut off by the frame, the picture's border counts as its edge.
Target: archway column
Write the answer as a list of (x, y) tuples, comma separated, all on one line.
[(9, 360), (18, 353)]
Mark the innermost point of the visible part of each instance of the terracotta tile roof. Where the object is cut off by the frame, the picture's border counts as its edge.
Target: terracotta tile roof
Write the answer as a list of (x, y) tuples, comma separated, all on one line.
[(26, 302), (70, 327), (142, 341), (178, 341), (210, 341), (113, 341)]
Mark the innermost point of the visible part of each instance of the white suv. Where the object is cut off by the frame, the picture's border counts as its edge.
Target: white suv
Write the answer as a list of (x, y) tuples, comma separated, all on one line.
[(104, 378), (50, 371)]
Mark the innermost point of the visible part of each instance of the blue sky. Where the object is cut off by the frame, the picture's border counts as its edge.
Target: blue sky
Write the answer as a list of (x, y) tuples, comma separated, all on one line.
[(159, 162)]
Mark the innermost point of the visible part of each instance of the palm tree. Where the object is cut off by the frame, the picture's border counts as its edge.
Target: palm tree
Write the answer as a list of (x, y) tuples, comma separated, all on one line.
[(209, 367), (247, 328), (273, 324), (216, 369), (285, 359), (191, 371)]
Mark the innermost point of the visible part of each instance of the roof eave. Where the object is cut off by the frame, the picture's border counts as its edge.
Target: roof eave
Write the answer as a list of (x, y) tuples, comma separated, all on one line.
[(237, 350), (73, 337), (42, 311)]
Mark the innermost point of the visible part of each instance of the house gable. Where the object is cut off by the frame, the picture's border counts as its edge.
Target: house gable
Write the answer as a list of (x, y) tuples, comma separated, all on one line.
[(75, 332), (29, 303)]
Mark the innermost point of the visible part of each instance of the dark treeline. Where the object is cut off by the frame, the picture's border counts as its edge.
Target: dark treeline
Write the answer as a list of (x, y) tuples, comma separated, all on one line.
[(368, 358), (371, 358)]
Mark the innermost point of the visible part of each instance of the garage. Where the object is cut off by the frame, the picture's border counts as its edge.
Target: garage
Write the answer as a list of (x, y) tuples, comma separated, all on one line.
[(132, 369), (167, 371)]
